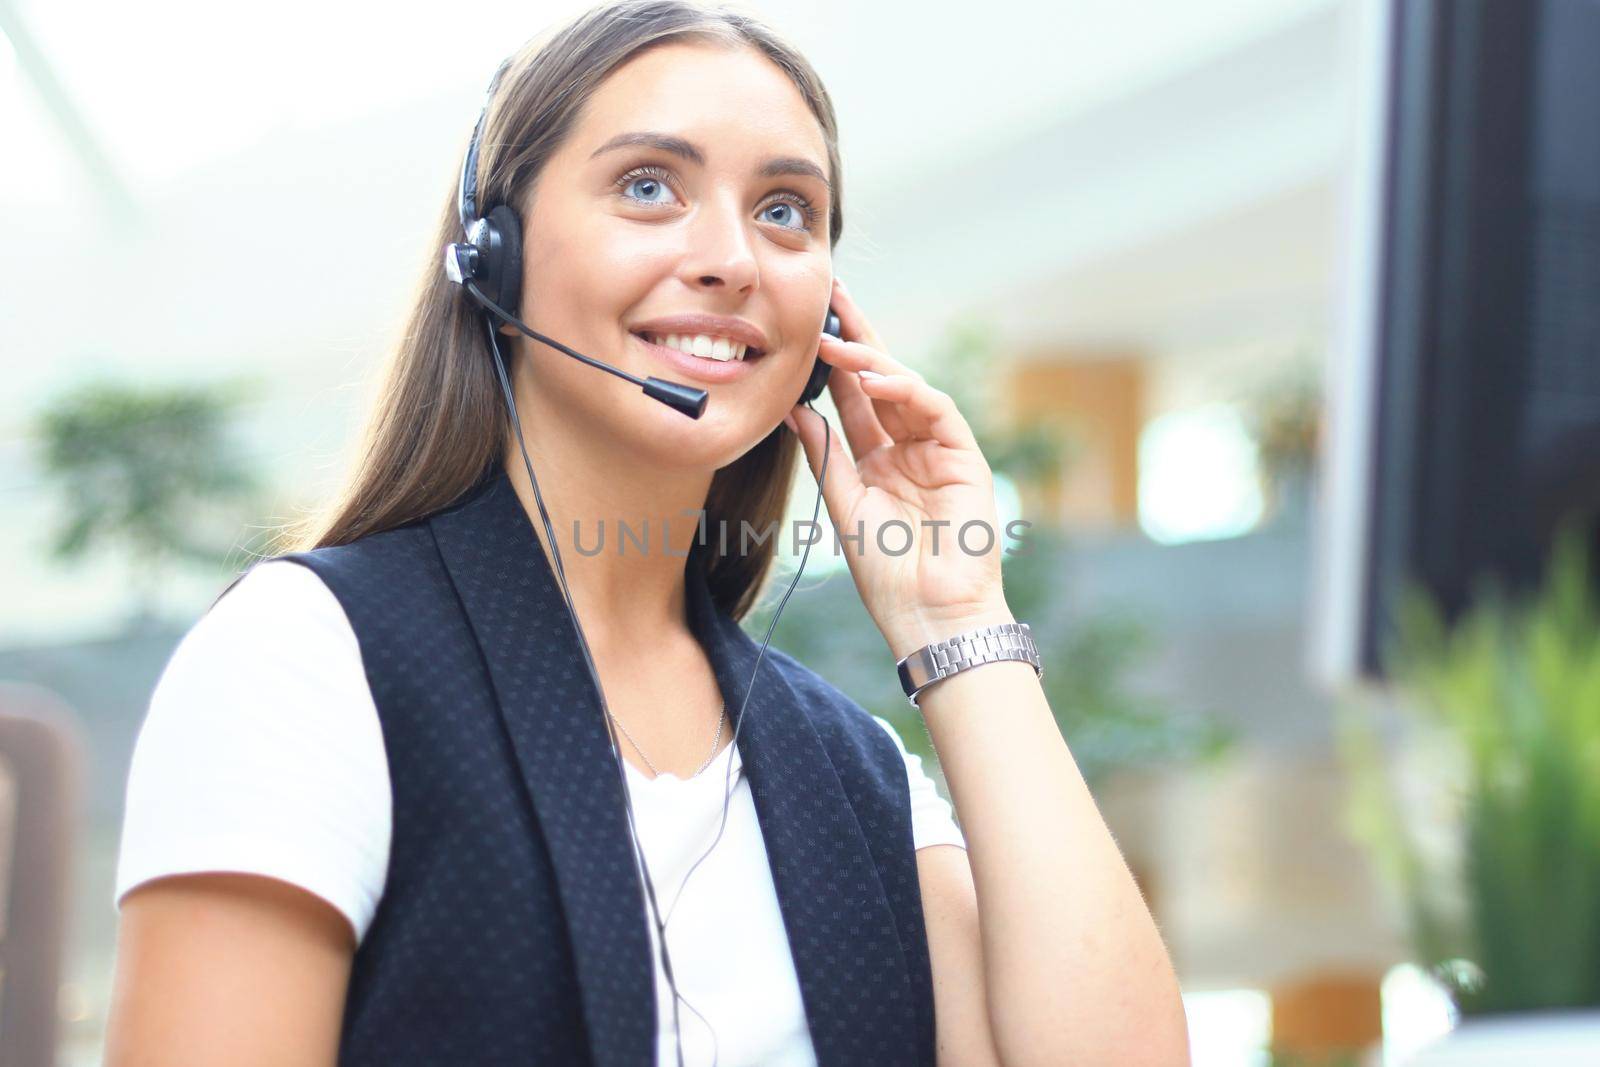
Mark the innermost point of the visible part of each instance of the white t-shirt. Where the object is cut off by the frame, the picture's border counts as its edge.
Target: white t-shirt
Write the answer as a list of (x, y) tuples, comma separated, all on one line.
[(261, 752)]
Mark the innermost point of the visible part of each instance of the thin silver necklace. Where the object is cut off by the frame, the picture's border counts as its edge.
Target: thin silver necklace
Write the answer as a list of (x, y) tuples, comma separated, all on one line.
[(716, 741)]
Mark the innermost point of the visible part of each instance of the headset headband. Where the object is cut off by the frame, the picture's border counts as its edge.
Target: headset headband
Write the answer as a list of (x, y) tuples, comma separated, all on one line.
[(467, 189)]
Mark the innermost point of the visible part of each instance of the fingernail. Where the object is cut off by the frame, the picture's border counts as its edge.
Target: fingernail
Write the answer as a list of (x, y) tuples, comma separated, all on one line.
[(788, 420), (869, 374)]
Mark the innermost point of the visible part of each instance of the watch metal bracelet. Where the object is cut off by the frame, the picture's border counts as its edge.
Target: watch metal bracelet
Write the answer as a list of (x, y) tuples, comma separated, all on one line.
[(986, 644)]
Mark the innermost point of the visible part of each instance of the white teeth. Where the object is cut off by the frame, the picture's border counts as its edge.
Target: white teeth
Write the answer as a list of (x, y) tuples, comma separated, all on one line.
[(703, 345)]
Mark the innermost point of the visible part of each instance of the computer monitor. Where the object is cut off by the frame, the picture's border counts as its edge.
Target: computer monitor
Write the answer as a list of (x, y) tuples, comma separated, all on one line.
[(1464, 378)]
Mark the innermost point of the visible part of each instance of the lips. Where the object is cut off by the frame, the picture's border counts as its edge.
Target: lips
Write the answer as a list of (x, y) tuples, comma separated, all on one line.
[(681, 366), (695, 323)]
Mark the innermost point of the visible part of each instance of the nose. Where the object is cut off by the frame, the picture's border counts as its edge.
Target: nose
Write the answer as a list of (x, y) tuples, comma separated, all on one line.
[(720, 254)]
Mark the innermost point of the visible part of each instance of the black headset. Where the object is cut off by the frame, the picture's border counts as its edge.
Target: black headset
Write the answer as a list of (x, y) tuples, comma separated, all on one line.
[(488, 266)]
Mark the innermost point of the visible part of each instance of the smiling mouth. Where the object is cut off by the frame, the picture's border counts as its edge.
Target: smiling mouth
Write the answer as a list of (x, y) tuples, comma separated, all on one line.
[(720, 352)]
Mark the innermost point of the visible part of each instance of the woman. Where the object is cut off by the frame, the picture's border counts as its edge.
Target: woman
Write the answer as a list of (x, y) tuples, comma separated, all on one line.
[(370, 815)]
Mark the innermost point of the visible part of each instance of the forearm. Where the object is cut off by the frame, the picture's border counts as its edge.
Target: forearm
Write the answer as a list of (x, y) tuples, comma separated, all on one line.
[(1075, 968)]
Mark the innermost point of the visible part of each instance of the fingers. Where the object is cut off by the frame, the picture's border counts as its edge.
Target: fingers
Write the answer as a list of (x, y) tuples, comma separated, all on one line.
[(924, 406), (842, 486), (872, 419), (863, 429), (895, 420), (855, 356), (849, 359)]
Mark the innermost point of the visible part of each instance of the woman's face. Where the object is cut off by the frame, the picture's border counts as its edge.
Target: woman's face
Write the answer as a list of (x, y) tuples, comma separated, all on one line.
[(620, 238)]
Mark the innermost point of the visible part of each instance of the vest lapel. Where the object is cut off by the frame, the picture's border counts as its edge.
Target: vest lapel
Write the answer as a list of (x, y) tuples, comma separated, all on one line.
[(553, 717), (841, 930)]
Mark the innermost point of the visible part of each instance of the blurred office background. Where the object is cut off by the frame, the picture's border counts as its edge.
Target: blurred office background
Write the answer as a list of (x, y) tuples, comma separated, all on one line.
[(1112, 228)]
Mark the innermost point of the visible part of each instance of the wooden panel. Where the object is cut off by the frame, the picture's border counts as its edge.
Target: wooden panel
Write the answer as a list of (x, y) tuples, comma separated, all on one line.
[(1099, 399), (1321, 1016)]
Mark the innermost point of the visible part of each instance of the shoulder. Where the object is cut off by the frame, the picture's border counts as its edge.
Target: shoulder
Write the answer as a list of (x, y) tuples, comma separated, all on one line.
[(388, 582), (268, 591), (370, 558), (261, 751), (276, 614)]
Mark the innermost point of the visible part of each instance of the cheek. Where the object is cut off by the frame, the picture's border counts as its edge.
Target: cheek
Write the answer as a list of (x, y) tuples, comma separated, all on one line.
[(801, 289), (615, 273), (546, 284), (582, 260)]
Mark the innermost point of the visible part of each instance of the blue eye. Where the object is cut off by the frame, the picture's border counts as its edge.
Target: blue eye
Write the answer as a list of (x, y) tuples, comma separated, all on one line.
[(796, 210), (647, 178)]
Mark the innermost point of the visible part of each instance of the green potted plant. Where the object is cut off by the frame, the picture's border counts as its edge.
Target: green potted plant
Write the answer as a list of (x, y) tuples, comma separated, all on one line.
[(152, 473), (1505, 913)]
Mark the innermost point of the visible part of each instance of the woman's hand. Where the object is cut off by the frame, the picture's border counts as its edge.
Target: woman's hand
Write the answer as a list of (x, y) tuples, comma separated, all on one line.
[(900, 507)]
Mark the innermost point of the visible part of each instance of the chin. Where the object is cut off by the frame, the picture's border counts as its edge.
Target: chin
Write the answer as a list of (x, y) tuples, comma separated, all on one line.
[(710, 442)]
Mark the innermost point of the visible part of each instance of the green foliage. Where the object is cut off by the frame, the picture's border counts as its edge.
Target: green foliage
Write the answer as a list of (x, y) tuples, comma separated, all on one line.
[(1513, 922), (147, 471)]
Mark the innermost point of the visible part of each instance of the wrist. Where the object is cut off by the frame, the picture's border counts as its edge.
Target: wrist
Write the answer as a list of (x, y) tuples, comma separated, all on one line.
[(920, 628)]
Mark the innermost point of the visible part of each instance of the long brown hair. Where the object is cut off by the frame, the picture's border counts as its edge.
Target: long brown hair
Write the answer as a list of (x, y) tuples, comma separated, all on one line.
[(438, 420)]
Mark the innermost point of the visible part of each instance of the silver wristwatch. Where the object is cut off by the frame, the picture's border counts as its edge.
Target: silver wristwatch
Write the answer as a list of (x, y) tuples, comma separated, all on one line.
[(986, 644)]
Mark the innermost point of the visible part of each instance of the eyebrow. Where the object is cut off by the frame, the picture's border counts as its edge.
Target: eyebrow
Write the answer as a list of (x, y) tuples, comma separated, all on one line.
[(667, 142)]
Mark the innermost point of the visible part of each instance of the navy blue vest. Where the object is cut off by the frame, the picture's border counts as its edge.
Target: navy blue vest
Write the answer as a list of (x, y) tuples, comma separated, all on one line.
[(512, 928)]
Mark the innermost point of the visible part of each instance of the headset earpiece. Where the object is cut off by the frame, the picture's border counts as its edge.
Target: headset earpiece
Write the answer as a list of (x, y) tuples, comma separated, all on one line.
[(498, 239), (820, 369), (506, 267)]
